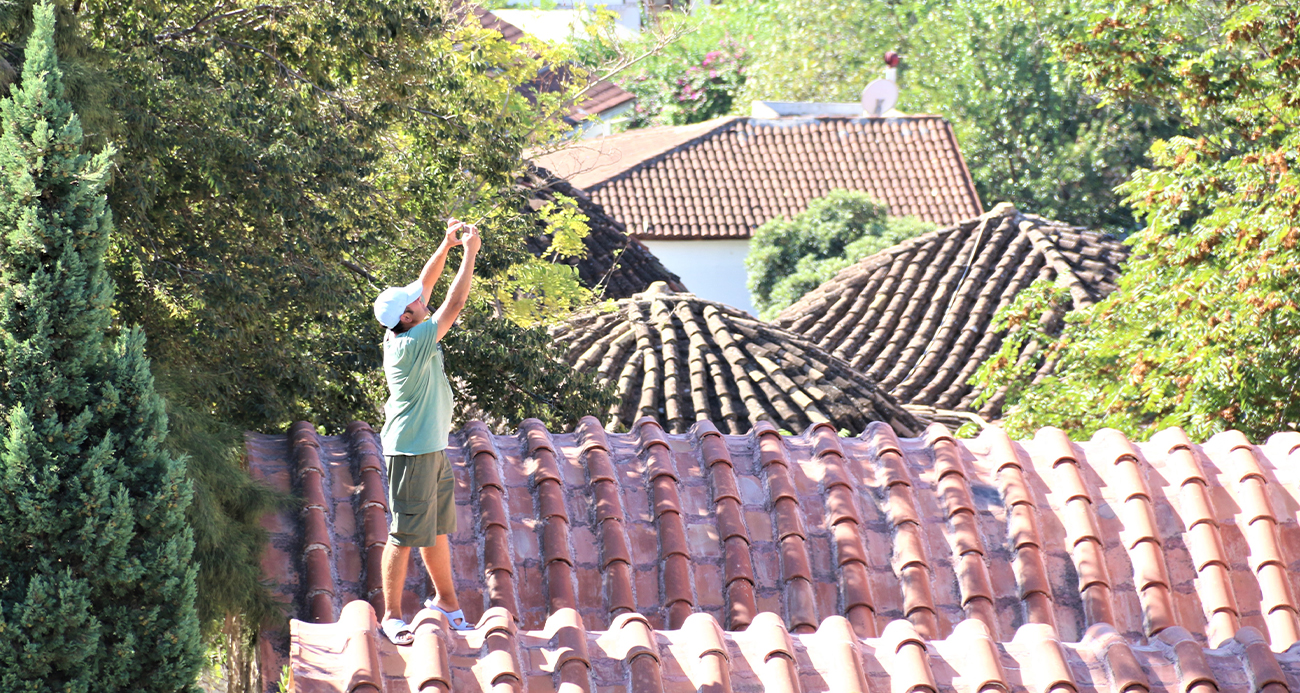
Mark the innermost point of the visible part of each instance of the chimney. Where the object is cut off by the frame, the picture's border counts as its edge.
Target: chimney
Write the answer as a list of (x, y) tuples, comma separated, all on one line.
[(891, 66)]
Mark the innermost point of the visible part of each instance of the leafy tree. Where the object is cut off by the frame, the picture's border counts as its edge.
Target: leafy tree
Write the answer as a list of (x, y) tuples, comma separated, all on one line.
[(278, 165), (1203, 331), (97, 586), (1030, 132), (790, 257)]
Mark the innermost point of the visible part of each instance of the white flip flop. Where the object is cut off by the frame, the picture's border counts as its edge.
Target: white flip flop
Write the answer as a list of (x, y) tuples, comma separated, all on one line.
[(397, 631), (455, 618)]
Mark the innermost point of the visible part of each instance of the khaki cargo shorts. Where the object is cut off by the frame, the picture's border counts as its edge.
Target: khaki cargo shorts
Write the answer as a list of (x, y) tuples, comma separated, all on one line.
[(421, 497)]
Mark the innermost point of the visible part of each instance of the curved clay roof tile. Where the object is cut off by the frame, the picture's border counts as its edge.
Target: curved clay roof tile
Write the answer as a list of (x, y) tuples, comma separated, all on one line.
[(864, 557), (923, 332)]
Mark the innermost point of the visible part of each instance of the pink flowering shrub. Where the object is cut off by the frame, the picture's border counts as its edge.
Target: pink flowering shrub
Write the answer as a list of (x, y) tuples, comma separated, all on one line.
[(688, 88)]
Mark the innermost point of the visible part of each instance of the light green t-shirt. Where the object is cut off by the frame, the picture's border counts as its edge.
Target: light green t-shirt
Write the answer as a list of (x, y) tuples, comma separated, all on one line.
[(417, 416)]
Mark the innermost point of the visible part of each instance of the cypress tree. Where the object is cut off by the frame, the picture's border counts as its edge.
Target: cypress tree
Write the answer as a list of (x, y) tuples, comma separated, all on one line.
[(96, 579)]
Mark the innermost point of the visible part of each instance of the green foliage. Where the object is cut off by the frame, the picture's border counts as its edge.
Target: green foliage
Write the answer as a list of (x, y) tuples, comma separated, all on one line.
[(491, 366), (1030, 132), (683, 69), (278, 166), (538, 289), (225, 514), (1203, 332), (97, 585), (790, 257), (685, 87)]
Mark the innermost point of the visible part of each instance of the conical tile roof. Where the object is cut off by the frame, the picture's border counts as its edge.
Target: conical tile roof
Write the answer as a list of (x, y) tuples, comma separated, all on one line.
[(681, 358), (917, 317)]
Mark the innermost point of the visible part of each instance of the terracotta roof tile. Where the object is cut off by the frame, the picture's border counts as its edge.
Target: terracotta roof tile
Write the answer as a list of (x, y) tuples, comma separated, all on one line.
[(622, 265), (726, 177), (917, 317), (665, 561), (682, 359)]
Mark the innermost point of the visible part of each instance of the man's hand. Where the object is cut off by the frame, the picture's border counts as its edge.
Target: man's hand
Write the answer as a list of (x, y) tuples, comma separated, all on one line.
[(453, 225), (471, 239), (455, 301)]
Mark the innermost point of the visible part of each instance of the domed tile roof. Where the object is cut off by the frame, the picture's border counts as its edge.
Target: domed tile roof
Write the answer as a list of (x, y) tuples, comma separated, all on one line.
[(681, 358), (917, 317)]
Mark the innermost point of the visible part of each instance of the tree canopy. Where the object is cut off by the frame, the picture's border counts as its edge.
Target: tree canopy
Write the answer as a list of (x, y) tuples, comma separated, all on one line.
[(277, 166), (1203, 330), (1031, 132), (97, 587), (790, 257)]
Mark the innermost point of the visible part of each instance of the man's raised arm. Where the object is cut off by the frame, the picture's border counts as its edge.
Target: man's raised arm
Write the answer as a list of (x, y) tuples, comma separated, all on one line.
[(455, 303), (433, 268)]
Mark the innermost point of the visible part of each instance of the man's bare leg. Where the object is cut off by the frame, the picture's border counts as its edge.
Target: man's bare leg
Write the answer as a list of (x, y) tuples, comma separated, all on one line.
[(437, 560), (396, 558)]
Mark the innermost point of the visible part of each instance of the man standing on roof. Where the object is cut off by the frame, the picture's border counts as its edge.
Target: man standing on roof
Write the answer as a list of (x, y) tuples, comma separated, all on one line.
[(417, 420)]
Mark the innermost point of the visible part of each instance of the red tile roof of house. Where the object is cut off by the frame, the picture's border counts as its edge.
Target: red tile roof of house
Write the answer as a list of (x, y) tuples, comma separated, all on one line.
[(917, 317), (651, 561), (680, 359), (724, 178), (617, 264)]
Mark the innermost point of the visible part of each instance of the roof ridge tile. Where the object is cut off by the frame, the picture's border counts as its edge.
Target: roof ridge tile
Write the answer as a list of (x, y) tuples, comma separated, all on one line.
[(980, 664), (837, 641), (498, 657), (710, 661), (566, 649), (1047, 663), (1260, 663), (1194, 673), (906, 658), (432, 636), (777, 671), (360, 656), (1122, 666)]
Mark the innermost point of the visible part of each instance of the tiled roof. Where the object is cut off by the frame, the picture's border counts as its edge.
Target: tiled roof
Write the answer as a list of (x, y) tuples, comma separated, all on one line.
[(917, 317), (602, 95), (591, 162), (651, 561), (680, 359), (622, 264), (726, 177)]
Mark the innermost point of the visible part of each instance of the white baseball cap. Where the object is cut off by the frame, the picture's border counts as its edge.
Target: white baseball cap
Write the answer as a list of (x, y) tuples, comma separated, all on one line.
[(392, 302)]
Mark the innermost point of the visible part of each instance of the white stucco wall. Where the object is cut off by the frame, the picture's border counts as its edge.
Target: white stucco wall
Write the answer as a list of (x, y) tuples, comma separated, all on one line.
[(714, 270)]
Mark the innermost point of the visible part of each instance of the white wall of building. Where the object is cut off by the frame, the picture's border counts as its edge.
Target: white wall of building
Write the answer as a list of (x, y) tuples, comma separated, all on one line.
[(714, 270), (604, 123)]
